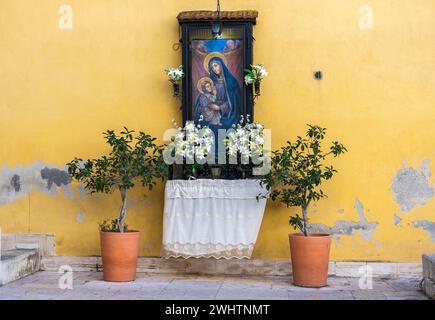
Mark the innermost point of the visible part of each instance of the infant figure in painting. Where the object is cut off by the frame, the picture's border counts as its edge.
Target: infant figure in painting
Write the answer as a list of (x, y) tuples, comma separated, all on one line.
[(206, 102)]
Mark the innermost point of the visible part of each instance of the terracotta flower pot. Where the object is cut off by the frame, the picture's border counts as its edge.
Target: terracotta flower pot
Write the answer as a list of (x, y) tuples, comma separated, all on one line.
[(310, 259), (119, 252)]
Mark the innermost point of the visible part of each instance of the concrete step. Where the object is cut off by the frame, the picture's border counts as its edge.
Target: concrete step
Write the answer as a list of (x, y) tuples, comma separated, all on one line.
[(18, 263), (428, 284), (428, 287), (429, 266)]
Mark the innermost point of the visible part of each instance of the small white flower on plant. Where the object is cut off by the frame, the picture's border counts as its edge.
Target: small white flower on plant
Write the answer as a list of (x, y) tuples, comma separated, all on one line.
[(175, 74)]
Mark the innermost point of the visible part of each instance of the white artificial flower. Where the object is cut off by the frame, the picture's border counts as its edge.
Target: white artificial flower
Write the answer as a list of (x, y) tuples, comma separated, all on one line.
[(193, 141), (245, 140), (175, 74), (249, 80), (258, 73)]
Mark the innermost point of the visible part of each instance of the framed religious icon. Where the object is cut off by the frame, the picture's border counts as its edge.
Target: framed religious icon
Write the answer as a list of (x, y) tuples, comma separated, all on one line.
[(217, 47)]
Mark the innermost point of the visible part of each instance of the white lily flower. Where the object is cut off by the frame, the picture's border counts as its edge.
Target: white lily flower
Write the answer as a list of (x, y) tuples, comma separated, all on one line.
[(245, 140), (175, 74)]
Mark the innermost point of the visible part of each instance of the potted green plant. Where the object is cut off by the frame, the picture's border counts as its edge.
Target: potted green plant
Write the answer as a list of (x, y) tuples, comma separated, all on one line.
[(131, 159), (297, 172)]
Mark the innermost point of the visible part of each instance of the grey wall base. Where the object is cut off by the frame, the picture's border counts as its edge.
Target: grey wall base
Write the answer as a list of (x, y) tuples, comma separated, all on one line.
[(234, 267)]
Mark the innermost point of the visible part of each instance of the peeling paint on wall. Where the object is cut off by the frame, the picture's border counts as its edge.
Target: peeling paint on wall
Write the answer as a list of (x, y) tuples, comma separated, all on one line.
[(411, 187), (15, 182), (428, 226), (359, 209), (56, 176), (343, 227), (80, 217), (18, 181), (83, 192), (397, 219)]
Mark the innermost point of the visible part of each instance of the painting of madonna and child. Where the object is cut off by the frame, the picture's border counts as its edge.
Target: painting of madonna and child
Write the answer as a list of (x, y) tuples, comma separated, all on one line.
[(217, 79)]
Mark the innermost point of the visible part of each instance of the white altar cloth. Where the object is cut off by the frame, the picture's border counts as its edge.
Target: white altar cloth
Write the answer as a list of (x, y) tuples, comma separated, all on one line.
[(211, 218)]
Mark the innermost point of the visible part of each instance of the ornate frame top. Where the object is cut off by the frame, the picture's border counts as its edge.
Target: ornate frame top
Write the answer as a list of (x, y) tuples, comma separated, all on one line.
[(242, 15)]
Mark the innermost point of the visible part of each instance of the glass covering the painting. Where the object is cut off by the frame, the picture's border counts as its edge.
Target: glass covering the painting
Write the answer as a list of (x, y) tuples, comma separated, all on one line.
[(217, 81)]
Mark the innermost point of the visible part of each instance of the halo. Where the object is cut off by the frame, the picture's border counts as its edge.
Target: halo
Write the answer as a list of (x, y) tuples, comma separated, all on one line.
[(201, 81), (211, 56)]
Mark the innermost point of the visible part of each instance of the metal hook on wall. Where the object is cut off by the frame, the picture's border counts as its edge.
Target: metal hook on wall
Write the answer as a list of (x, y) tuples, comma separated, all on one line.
[(177, 45)]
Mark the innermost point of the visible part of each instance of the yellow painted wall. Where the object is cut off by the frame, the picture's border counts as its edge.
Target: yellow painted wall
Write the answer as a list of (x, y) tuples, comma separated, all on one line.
[(59, 89)]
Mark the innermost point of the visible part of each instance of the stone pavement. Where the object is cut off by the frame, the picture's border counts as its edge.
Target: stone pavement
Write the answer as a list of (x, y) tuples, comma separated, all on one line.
[(89, 286)]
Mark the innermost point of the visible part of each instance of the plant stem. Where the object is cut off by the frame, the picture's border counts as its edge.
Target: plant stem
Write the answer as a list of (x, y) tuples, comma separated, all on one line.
[(122, 210), (305, 216)]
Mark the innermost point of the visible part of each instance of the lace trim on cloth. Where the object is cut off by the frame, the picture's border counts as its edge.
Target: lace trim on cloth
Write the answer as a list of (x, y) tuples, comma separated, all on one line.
[(207, 250)]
